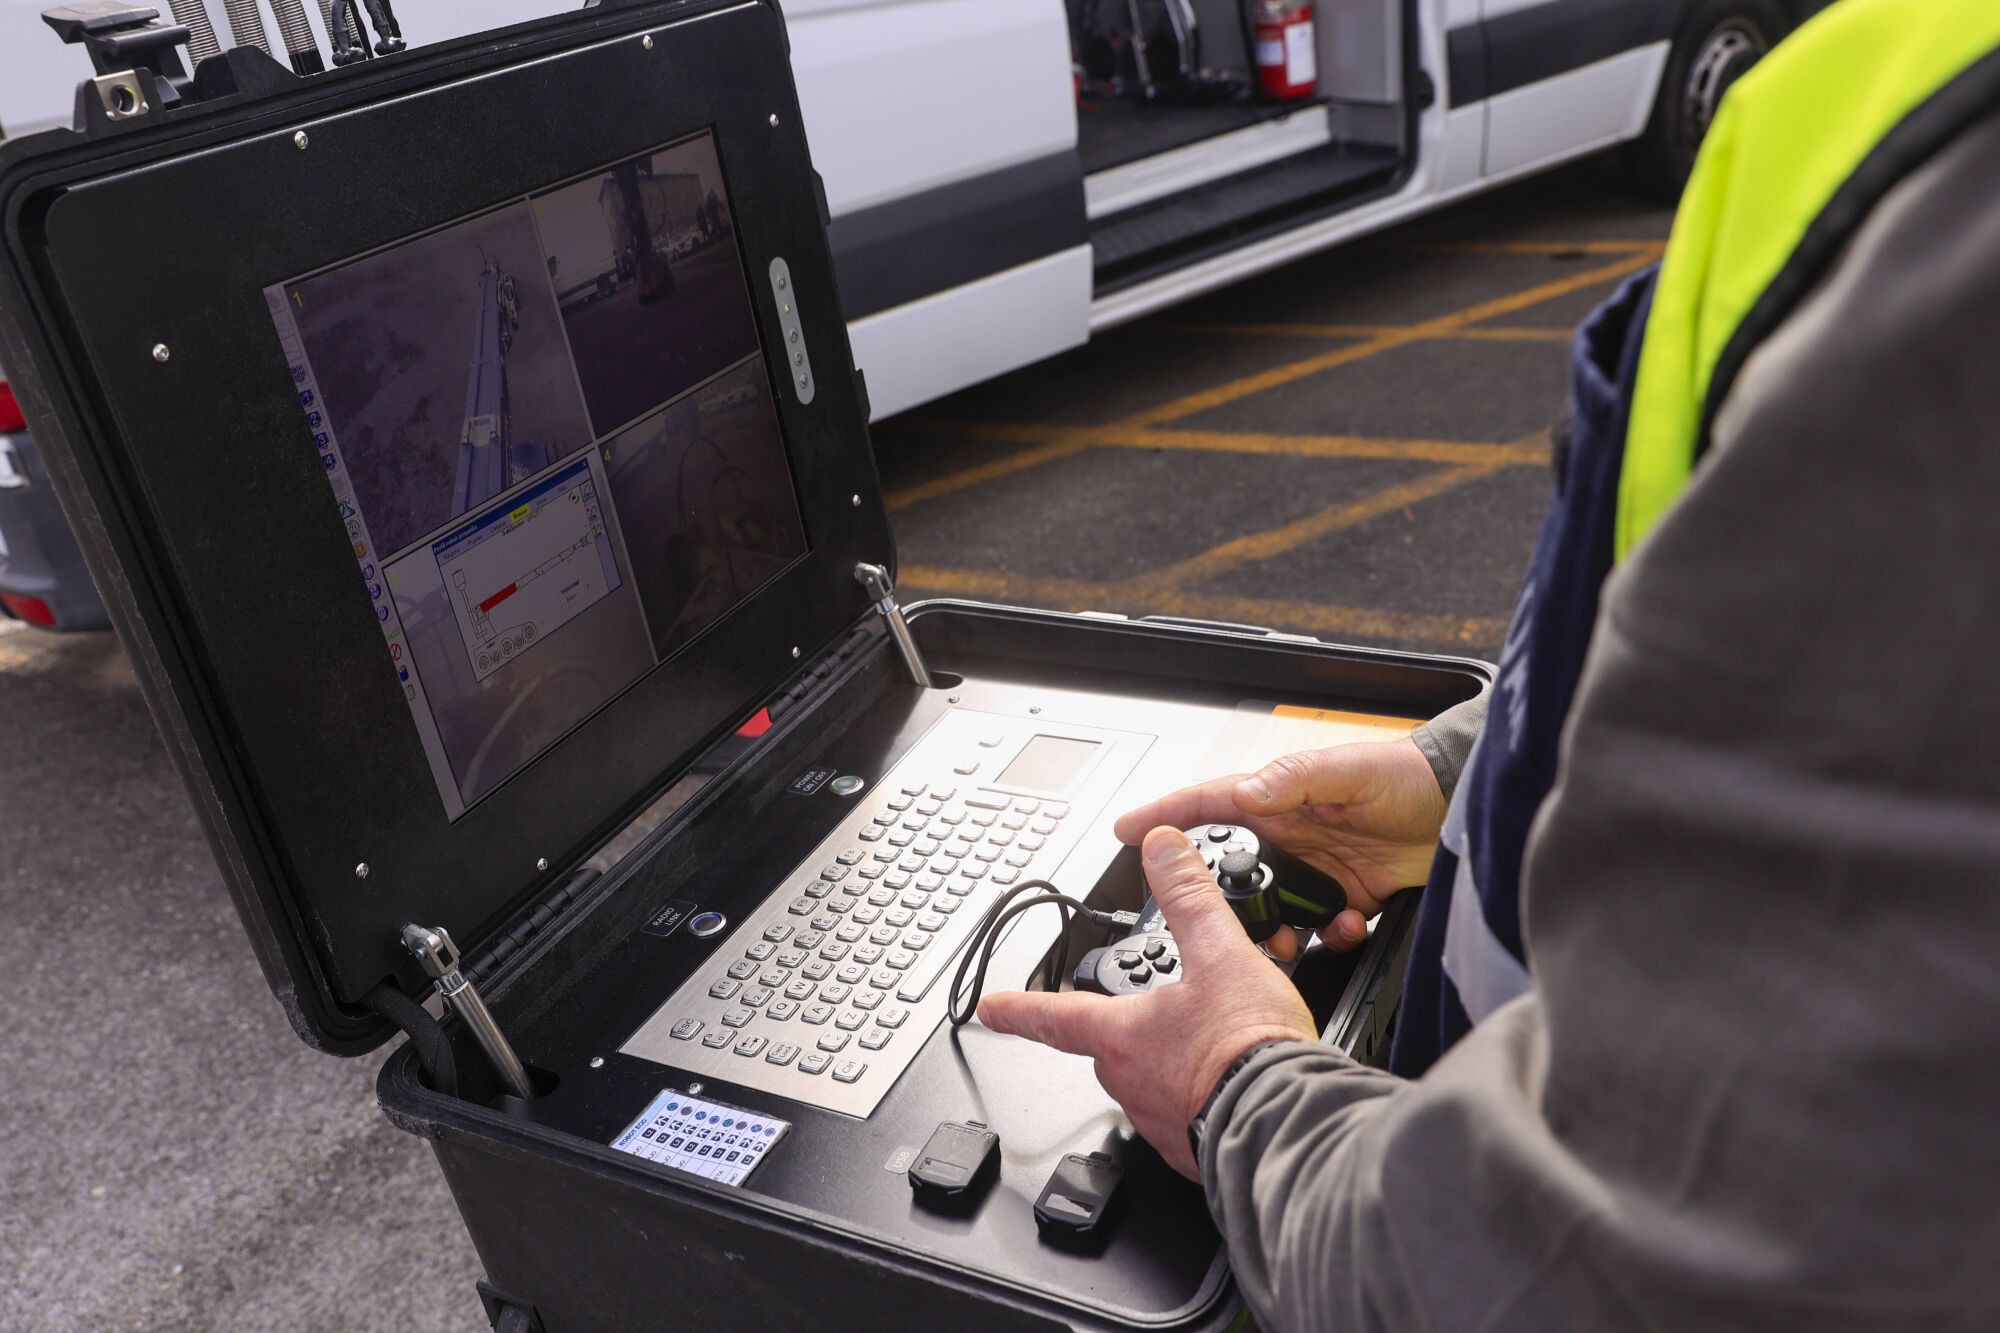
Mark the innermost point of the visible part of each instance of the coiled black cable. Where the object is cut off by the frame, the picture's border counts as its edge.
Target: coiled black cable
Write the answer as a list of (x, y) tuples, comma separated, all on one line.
[(985, 939)]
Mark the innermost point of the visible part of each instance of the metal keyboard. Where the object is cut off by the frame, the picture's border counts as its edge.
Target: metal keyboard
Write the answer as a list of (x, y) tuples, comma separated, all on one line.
[(826, 993)]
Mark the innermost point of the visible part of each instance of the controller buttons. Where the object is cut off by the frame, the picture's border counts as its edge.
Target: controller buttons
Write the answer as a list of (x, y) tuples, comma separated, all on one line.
[(1221, 833), (1155, 949), (1140, 975), (1165, 965), (1125, 958)]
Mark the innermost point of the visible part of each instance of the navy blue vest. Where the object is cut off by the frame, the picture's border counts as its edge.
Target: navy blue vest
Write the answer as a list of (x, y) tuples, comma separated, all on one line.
[(1468, 957)]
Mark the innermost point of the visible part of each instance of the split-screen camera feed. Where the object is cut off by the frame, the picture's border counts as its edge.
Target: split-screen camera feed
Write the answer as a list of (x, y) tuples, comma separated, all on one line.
[(553, 439)]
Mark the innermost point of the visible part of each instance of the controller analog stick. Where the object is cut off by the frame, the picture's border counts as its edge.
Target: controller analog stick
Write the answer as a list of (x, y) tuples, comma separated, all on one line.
[(1238, 873)]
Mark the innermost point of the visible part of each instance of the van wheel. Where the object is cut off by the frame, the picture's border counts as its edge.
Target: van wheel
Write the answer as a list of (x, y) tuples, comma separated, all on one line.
[(1718, 43)]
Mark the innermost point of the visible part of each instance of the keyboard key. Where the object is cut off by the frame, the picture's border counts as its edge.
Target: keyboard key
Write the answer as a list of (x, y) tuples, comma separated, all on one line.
[(893, 1018), (834, 992), (1055, 809), (750, 1046), (874, 1039), (838, 907), (716, 1039), (851, 933), (902, 839), (852, 856), (929, 808), (899, 802), (832, 1041), (987, 854), (999, 838), (945, 904), (966, 769), (800, 989), (969, 835), (910, 898), (915, 940), (791, 958), (958, 888), (759, 951), (900, 959), (687, 1029), (781, 1010), (986, 800), (868, 872), (810, 940), (884, 935), (1014, 822), (931, 921), (1043, 827), (1026, 806), (849, 1021), (926, 886), (816, 1014), (882, 897), (743, 969), (885, 979), (886, 818), (854, 888), (756, 996), (952, 818), (1004, 875), (834, 950), (824, 922), (898, 880), (777, 934), (924, 847), (1030, 843), (783, 1053), (943, 793), (834, 873), (850, 974), (725, 988), (819, 888), (973, 870), (865, 915), (870, 834), (914, 823), (736, 1017), (813, 1062), (1018, 859), (867, 999), (868, 954), (802, 907), (981, 820), (849, 1071), (898, 917), (816, 970), (913, 789)]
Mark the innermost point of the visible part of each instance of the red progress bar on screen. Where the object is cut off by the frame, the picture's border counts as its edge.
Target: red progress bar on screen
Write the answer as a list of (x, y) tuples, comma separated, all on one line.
[(499, 597)]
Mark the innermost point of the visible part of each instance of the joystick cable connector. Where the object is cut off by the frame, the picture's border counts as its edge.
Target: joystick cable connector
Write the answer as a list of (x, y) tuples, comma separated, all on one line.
[(986, 935)]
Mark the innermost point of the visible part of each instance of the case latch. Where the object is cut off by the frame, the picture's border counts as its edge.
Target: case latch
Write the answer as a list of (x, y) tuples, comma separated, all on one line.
[(876, 580), (138, 65)]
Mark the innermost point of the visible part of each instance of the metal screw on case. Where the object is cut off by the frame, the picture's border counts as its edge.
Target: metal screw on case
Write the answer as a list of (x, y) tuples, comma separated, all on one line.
[(541, 863), (795, 652), (857, 501), (597, 1062), (774, 120), (160, 352), (694, 1089), (299, 140), (361, 871), (647, 41)]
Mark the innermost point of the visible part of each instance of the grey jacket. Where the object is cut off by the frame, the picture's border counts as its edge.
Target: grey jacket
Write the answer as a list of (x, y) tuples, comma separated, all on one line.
[(1757, 1081)]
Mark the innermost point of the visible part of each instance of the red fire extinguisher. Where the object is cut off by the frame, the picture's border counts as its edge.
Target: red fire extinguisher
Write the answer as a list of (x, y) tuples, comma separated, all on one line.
[(1287, 59)]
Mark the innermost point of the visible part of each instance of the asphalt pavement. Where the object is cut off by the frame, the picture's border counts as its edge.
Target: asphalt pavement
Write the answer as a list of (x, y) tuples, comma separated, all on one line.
[(1354, 446)]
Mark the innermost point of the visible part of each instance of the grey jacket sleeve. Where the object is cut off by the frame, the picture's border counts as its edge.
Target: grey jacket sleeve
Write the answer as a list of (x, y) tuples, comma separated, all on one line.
[(1755, 1082), (1447, 739)]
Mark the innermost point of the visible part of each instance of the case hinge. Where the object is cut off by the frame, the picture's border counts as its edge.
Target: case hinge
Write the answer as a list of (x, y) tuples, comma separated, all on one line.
[(432, 947), (876, 580)]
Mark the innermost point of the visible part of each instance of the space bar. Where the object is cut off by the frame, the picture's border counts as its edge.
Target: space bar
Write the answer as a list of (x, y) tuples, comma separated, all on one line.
[(919, 982)]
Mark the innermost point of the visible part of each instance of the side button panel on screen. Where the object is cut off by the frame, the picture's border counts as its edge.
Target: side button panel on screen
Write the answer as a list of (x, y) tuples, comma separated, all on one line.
[(795, 359)]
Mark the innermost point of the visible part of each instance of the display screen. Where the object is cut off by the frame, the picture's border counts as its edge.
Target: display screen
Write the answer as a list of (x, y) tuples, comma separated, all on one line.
[(553, 441), (1048, 764)]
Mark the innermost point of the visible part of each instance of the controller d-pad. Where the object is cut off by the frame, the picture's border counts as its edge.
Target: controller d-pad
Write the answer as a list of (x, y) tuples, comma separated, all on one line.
[(1165, 966), (1140, 975), (1155, 949), (1127, 959)]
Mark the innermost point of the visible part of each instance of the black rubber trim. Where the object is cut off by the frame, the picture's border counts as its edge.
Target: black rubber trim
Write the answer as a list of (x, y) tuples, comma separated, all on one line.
[(927, 243), (1920, 136), (1527, 46)]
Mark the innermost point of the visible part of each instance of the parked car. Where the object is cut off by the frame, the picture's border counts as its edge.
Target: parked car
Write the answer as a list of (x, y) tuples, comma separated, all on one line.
[(42, 577)]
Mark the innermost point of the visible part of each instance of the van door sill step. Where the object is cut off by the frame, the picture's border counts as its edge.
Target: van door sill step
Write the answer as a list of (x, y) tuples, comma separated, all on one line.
[(1145, 236)]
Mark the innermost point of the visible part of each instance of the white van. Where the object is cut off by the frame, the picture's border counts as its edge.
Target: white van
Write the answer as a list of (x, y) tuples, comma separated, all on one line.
[(994, 202)]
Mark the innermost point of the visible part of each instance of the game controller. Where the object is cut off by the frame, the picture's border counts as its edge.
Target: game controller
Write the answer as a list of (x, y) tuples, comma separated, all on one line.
[(1265, 888)]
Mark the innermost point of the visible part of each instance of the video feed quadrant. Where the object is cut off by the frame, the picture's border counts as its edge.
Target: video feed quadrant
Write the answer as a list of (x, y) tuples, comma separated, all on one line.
[(449, 380)]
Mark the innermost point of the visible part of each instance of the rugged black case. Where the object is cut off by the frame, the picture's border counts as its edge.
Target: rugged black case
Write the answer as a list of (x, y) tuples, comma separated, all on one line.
[(572, 1234)]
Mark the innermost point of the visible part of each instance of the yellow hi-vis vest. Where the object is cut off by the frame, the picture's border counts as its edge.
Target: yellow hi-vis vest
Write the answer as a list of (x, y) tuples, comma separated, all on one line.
[(1788, 138)]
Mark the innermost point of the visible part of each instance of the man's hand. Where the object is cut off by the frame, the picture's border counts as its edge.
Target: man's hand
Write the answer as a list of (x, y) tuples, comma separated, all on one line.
[(1368, 815), (1160, 1054)]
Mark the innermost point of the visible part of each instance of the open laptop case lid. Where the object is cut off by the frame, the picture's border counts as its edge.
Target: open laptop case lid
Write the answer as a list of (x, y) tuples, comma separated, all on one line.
[(439, 437)]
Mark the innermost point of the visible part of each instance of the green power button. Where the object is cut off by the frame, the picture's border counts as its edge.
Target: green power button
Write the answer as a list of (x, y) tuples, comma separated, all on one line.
[(845, 785)]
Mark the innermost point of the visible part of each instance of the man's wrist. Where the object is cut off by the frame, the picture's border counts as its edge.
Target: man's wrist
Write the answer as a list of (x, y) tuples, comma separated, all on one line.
[(1197, 1127)]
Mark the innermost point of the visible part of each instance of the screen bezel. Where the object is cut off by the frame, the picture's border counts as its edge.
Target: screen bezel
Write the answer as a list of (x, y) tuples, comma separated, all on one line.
[(304, 733)]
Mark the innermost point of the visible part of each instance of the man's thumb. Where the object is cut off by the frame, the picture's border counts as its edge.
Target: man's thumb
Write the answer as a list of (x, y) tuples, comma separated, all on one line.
[(1188, 895)]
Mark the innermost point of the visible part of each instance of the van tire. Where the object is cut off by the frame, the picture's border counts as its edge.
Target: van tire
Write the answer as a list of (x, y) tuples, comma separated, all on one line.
[(1718, 42)]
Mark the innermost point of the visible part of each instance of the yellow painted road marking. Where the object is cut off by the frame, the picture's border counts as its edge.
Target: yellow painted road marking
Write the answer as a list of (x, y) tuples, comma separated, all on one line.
[(1067, 442), (1533, 452), (1258, 547), (1444, 325), (1490, 334), (1272, 613)]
